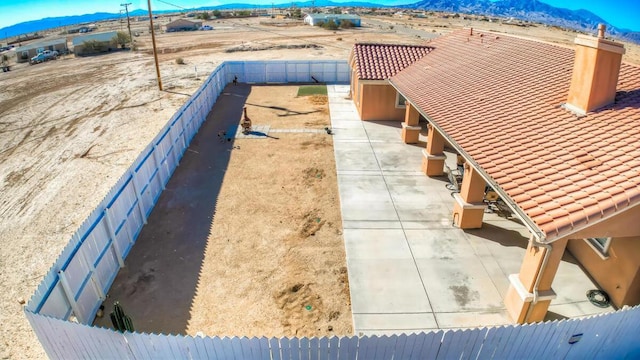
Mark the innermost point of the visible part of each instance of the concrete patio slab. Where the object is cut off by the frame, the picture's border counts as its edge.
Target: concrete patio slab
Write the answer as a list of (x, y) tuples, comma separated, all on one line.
[(409, 269), (386, 286), (354, 133), (404, 323), (376, 244), (471, 319), (370, 224), (458, 285)]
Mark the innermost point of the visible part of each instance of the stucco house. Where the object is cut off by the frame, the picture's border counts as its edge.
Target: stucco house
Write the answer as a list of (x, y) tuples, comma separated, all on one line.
[(26, 52), (182, 25), (319, 19), (101, 43), (554, 131)]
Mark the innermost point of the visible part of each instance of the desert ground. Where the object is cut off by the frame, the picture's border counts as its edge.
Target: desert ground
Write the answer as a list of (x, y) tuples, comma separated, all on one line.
[(69, 128), (246, 240)]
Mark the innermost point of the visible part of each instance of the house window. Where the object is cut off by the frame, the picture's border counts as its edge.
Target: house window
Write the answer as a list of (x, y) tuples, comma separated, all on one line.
[(400, 101), (601, 245)]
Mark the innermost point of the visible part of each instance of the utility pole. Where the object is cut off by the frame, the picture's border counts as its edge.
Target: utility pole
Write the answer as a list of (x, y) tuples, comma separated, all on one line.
[(153, 40), (126, 9)]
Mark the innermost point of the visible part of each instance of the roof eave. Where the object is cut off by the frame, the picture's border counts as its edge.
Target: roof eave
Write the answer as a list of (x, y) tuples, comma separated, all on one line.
[(528, 222)]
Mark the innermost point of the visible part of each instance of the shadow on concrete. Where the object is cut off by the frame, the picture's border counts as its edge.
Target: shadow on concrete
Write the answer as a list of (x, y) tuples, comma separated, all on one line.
[(502, 236), (158, 283), (551, 316)]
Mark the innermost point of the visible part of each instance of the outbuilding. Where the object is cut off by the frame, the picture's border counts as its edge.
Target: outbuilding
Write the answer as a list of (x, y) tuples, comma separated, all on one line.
[(183, 25), (24, 53), (94, 43), (319, 19)]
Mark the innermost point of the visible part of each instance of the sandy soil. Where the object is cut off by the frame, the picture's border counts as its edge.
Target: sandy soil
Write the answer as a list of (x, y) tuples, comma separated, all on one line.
[(69, 128), (247, 238)]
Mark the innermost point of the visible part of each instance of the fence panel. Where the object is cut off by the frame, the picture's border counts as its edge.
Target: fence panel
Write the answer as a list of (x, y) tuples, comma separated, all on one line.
[(276, 72), (255, 72)]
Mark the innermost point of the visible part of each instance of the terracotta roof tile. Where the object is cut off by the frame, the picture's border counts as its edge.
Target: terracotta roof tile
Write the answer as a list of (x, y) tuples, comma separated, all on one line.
[(382, 61), (499, 99)]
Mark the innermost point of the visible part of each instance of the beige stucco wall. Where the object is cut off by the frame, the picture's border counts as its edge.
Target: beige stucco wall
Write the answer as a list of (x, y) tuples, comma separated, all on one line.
[(378, 102), (618, 274)]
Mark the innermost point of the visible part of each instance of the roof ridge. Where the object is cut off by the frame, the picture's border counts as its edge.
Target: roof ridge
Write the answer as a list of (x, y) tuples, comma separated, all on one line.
[(398, 45)]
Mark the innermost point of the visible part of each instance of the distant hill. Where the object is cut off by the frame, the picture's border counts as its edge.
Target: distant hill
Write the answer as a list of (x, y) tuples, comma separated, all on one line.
[(530, 10)]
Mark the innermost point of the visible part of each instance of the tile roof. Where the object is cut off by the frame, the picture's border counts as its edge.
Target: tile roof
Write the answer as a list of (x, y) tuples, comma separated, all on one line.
[(382, 61), (498, 98)]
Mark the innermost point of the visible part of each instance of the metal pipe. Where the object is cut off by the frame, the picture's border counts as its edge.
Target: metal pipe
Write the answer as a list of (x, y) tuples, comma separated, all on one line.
[(545, 260)]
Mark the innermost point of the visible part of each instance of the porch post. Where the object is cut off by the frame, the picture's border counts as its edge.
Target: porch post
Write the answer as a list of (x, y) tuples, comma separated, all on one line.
[(410, 127), (519, 299), (468, 208), (433, 156)]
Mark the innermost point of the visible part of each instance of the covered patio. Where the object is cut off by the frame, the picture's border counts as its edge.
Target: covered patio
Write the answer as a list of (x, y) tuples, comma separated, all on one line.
[(410, 269)]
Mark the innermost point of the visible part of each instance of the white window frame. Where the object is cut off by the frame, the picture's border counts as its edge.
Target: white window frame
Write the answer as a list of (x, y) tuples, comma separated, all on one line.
[(600, 249), (398, 105)]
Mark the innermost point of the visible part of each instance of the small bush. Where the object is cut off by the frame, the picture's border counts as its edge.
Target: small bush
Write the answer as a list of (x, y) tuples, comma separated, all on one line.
[(180, 61), (346, 24), (330, 25), (339, 39)]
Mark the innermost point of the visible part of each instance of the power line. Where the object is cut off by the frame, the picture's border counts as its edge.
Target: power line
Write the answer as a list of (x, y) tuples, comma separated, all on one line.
[(174, 5)]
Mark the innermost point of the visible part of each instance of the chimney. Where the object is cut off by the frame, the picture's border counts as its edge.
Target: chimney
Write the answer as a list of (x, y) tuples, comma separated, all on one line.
[(595, 72)]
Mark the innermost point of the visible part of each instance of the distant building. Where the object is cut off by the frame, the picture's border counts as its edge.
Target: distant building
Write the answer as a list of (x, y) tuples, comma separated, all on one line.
[(100, 42), (24, 53), (319, 19), (182, 25)]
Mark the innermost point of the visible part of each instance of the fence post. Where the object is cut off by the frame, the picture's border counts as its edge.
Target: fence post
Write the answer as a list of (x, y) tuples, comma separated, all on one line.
[(112, 234), (66, 287), (184, 133), (155, 159), (135, 189), (173, 147)]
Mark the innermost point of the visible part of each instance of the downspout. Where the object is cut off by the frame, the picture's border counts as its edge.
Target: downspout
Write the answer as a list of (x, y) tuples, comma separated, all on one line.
[(545, 260)]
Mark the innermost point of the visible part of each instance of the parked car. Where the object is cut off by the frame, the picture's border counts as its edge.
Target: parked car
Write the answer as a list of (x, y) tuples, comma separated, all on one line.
[(206, 27), (44, 56), (51, 54)]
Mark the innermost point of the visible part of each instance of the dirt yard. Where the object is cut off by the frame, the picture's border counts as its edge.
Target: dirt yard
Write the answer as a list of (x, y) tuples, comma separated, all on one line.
[(69, 128), (271, 262)]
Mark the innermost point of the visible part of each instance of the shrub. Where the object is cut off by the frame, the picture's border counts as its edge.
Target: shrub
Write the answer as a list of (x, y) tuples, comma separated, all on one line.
[(93, 46), (346, 24), (180, 61), (330, 25), (121, 39), (339, 39)]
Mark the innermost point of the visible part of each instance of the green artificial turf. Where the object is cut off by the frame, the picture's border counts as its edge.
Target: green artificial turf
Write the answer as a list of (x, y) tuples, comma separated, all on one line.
[(308, 90)]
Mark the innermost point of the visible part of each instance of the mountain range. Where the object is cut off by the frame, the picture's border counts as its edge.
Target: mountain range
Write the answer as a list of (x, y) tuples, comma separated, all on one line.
[(530, 10)]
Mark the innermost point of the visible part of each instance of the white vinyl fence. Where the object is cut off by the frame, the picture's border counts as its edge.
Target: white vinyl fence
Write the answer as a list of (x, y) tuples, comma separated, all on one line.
[(76, 285), (611, 336)]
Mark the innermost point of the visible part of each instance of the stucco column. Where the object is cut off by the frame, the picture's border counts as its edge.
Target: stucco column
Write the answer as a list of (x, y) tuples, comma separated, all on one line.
[(468, 208), (433, 156), (410, 127), (522, 304)]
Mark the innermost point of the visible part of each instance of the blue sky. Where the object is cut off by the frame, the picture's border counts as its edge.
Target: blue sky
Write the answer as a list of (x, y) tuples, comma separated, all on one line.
[(621, 13)]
